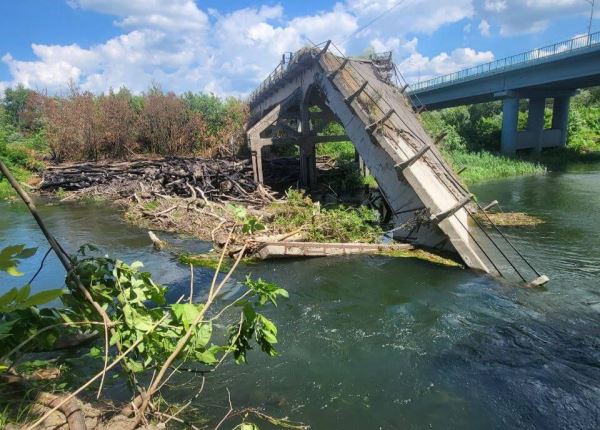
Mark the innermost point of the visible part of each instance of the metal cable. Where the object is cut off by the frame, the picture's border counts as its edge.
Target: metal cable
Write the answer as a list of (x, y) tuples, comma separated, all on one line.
[(443, 164)]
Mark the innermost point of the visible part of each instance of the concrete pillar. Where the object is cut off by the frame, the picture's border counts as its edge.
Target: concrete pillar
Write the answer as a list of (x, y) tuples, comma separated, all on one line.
[(510, 119), (535, 121), (257, 168), (560, 116), (308, 155), (364, 170), (308, 164)]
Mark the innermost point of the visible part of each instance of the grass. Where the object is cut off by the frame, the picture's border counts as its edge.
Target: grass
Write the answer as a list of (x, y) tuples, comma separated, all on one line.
[(473, 139), (21, 174), (337, 150), (209, 260), (484, 165), (336, 224)]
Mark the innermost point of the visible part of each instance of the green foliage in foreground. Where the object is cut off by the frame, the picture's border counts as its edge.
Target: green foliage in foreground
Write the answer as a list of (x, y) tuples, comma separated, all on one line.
[(144, 322)]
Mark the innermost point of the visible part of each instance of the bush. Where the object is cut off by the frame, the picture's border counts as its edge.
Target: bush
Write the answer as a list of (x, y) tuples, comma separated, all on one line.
[(117, 125), (168, 126)]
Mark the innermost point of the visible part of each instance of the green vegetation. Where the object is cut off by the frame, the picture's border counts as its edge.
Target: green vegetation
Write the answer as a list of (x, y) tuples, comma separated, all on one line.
[(83, 126), (139, 332), (20, 148), (473, 138), (346, 177), (335, 224), (473, 142)]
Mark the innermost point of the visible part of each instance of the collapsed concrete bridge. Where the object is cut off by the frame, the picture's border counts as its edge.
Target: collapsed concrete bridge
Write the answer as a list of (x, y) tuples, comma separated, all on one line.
[(430, 206)]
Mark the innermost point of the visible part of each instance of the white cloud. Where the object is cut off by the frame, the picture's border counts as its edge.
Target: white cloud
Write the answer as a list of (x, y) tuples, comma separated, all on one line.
[(172, 15), (494, 5), (184, 47), (484, 28), (516, 17), (417, 67), (410, 16)]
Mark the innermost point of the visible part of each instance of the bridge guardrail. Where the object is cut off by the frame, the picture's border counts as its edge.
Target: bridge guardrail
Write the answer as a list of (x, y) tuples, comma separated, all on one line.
[(501, 64)]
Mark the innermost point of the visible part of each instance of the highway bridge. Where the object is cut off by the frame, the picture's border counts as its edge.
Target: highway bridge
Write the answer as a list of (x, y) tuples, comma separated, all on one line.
[(553, 72)]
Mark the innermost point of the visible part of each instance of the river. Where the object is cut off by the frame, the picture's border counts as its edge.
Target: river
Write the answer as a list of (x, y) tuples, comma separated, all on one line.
[(382, 343)]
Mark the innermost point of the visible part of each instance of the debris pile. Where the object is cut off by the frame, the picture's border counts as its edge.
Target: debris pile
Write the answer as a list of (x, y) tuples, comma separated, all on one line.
[(217, 180)]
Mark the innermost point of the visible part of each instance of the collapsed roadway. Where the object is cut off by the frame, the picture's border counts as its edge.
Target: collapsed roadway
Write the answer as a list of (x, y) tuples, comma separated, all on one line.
[(430, 206)]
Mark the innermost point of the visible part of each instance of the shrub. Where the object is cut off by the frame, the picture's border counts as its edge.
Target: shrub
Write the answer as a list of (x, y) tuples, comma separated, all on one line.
[(82, 126), (168, 126)]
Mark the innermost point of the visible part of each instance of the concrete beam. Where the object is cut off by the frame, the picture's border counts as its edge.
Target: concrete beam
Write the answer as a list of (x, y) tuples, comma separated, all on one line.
[(558, 74)]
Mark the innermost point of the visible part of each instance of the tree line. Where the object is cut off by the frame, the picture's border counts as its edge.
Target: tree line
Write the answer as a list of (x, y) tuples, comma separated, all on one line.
[(83, 126)]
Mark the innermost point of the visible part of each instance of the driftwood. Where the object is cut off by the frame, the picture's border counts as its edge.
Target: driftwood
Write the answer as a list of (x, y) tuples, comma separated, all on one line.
[(158, 244), (69, 407), (206, 179)]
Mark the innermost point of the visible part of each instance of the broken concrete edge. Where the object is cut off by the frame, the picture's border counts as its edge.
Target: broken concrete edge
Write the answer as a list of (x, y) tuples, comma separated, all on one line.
[(538, 282), (280, 250)]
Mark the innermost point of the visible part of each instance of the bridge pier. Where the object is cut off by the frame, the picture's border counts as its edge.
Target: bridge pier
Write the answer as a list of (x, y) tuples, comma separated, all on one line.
[(308, 163), (560, 116), (535, 123), (535, 136), (510, 122)]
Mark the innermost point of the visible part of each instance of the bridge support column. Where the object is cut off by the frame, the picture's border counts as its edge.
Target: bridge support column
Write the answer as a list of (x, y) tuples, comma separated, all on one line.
[(257, 169), (560, 116), (308, 164), (308, 153), (510, 117), (535, 121)]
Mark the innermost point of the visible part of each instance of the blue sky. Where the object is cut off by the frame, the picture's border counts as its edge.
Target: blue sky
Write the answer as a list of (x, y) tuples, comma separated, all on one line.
[(227, 47)]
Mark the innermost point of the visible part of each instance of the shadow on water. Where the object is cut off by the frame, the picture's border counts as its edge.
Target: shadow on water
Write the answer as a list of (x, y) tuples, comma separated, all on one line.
[(381, 343)]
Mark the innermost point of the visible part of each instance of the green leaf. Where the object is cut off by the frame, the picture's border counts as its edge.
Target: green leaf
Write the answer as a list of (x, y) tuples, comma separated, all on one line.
[(203, 334), (12, 270), (207, 357), (186, 313), (95, 352), (136, 265), (26, 253), (23, 293), (10, 255), (248, 426), (43, 297), (7, 298)]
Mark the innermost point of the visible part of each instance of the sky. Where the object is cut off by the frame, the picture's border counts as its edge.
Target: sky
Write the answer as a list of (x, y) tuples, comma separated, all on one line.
[(228, 47)]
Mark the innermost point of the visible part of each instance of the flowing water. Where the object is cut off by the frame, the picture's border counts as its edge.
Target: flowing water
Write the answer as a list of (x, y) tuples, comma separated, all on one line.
[(382, 343)]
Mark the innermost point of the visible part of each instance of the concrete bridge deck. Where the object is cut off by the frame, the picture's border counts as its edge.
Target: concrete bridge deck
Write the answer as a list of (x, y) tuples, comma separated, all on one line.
[(430, 206), (555, 71)]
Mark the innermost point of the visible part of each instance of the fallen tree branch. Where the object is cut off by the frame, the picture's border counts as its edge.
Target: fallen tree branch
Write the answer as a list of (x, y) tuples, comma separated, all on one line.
[(69, 407)]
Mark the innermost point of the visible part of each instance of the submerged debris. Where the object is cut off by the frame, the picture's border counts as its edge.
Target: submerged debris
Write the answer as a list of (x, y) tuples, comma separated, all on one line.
[(508, 219)]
